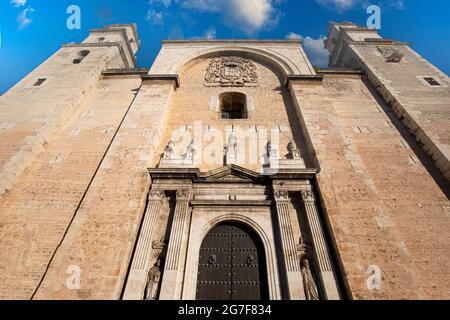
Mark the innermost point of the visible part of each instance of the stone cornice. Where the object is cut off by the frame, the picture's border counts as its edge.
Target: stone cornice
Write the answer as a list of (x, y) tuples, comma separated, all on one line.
[(231, 174), (304, 78), (339, 72), (125, 72), (234, 41), (162, 77), (379, 42)]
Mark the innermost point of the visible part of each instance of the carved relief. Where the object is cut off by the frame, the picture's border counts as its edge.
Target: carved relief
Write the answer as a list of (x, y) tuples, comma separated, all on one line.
[(390, 54), (231, 72)]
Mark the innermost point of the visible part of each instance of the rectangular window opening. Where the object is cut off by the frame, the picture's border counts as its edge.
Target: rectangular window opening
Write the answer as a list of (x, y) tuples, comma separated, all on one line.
[(39, 82), (431, 81)]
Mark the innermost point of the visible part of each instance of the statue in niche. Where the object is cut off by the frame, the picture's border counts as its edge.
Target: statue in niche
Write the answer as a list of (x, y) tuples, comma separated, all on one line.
[(232, 145), (309, 281), (169, 151), (190, 152), (154, 277)]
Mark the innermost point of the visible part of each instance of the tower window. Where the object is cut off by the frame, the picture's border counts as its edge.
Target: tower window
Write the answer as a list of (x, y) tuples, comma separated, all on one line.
[(80, 56), (233, 105), (432, 81), (39, 82), (101, 39)]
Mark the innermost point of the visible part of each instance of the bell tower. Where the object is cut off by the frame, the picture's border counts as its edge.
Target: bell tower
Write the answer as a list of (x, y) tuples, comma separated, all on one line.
[(416, 90)]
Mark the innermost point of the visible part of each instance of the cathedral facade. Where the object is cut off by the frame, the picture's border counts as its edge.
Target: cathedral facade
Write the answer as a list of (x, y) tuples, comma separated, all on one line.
[(229, 170)]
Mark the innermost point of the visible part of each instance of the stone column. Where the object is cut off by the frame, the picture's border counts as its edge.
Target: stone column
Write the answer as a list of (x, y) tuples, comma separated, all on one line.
[(176, 255), (322, 254), (140, 267), (291, 257)]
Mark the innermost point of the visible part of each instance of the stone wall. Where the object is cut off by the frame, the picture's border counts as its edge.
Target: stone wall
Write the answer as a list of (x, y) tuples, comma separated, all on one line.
[(387, 205), (35, 214)]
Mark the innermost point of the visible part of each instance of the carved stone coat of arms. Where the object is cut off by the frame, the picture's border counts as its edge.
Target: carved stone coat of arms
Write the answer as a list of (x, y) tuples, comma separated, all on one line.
[(231, 72)]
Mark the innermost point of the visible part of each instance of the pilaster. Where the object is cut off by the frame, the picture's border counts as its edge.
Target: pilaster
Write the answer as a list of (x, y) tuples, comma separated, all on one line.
[(321, 252), (174, 267), (291, 258), (137, 280)]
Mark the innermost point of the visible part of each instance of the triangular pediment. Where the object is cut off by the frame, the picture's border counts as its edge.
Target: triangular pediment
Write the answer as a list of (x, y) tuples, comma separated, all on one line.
[(232, 173)]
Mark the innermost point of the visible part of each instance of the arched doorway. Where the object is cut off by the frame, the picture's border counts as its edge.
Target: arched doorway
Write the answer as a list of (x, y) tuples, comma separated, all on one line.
[(232, 265)]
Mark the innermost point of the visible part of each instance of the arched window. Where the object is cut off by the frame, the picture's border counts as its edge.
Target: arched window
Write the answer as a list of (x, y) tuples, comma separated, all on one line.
[(233, 105), (80, 56)]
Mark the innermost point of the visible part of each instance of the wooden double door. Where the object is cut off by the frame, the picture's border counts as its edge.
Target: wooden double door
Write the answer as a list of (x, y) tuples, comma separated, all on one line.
[(232, 265)]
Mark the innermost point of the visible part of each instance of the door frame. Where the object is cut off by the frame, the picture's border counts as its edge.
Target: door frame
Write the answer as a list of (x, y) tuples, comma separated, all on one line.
[(204, 219)]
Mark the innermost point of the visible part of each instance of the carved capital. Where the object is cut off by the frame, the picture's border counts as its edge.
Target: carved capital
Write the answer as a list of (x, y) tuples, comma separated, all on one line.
[(308, 196), (183, 195), (281, 195), (156, 195)]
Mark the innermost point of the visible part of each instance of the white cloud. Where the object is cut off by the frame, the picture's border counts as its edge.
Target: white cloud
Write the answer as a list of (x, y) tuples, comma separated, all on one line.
[(23, 19), (18, 3), (344, 5), (165, 3), (294, 36), (398, 4), (340, 5), (314, 48), (209, 34), (154, 17), (249, 16)]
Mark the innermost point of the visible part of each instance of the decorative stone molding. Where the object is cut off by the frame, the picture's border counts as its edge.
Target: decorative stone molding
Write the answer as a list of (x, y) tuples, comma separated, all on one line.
[(231, 72), (390, 54)]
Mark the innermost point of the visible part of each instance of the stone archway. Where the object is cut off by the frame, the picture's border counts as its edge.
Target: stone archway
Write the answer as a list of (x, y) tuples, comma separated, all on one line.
[(232, 264)]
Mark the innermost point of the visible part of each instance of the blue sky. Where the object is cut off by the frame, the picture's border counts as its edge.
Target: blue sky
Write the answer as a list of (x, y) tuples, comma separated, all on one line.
[(31, 30)]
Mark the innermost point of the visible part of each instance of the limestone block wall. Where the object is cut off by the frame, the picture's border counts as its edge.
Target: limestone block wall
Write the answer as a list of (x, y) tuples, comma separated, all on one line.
[(31, 116), (37, 212), (102, 236), (385, 202)]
